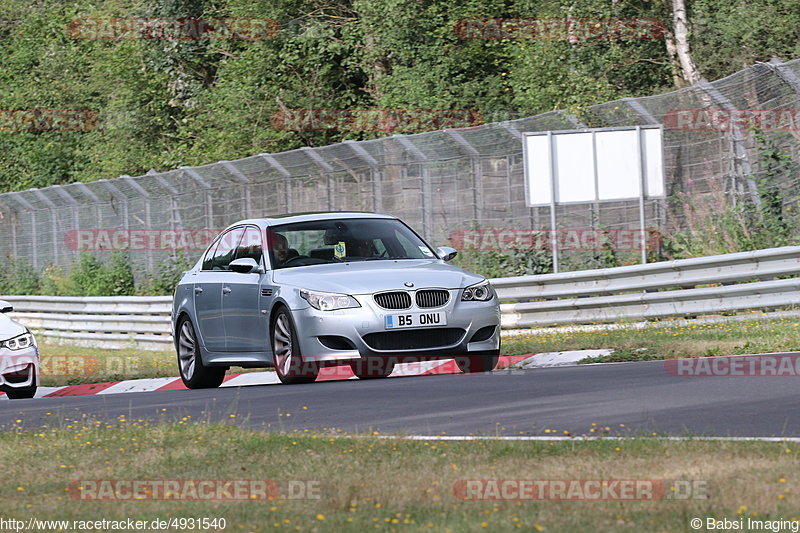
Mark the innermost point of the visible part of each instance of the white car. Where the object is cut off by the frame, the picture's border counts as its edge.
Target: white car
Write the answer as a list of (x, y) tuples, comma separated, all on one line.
[(19, 357)]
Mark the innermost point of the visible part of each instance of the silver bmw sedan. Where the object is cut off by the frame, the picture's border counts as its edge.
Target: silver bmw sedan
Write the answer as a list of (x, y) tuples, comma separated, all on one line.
[(305, 291)]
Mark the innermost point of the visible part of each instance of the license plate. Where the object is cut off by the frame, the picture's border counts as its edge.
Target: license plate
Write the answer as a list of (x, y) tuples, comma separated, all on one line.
[(416, 320)]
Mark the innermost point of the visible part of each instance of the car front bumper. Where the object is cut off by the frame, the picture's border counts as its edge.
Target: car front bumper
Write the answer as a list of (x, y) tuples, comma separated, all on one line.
[(322, 333), (19, 369)]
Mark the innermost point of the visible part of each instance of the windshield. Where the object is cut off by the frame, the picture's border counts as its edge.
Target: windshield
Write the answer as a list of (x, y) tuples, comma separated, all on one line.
[(337, 241)]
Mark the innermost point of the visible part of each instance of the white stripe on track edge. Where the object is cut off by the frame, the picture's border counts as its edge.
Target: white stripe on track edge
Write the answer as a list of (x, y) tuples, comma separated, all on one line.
[(581, 438), (138, 385)]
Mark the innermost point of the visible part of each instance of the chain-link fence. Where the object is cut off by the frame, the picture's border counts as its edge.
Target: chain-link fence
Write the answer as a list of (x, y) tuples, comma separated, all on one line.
[(439, 182)]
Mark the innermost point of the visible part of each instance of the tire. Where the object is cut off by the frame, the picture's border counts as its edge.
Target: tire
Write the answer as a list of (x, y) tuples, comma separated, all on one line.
[(289, 364), (478, 362), (20, 394), (194, 374), (373, 367)]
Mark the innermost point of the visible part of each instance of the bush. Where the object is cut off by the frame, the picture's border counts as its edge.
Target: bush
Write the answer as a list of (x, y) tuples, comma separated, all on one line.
[(18, 277), (166, 276), (91, 277)]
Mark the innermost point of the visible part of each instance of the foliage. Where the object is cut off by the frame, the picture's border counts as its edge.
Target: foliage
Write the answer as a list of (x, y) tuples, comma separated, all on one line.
[(18, 277), (88, 277), (720, 221), (163, 104), (729, 36), (498, 264), (166, 276)]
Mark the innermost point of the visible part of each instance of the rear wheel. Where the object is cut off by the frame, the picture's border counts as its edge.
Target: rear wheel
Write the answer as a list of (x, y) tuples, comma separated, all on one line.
[(289, 364), (478, 362), (372, 367), (194, 374), (19, 394)]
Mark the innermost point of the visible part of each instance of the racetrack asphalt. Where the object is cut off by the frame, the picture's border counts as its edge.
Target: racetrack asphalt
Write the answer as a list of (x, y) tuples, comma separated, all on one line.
[(629, 398)]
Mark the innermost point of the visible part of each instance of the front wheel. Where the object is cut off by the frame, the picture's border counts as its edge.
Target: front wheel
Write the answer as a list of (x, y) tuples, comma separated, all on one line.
[(194, 374), (478, 362), (289, 364)]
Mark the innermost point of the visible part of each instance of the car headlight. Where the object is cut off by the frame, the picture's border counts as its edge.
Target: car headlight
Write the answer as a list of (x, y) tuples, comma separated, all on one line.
[(23, 341), (480, 292), (328, 301)]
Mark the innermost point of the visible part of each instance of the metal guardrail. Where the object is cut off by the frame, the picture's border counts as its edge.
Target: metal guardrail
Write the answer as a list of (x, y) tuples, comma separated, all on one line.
[(689, 287), (655, 290), (98, 321)]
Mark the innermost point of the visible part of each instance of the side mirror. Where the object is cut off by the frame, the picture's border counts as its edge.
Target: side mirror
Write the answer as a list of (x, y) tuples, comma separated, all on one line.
[(245, 265), (5, 307), (446, 253)]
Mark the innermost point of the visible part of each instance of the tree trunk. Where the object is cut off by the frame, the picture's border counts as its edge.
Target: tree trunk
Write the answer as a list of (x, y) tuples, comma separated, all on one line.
[(680, 44)]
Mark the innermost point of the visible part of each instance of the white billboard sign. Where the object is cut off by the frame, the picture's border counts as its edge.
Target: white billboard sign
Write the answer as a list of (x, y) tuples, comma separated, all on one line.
[(593, 165)]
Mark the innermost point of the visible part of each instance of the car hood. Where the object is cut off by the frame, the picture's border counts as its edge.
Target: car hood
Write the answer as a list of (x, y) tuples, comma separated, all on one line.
[(366, 277), (9, 328)]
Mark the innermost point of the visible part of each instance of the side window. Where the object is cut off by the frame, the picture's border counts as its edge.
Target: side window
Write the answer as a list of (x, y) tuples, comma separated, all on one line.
[(250, 245), (208, 260), (226, 249)]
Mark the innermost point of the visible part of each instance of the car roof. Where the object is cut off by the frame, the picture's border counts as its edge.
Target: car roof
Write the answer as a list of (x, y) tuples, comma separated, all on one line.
[(309, 217)]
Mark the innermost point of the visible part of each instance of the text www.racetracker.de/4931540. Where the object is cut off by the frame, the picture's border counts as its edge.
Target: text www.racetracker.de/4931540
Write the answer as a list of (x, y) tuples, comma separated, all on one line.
[(128, 524)]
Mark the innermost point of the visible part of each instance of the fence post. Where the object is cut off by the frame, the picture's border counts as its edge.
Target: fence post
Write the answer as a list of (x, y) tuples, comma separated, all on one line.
[(377, 190), (287, 180), (328, 169), (741, 160), (192, 173), (53, 220), (426, 195), (241, 178), (147, 220)]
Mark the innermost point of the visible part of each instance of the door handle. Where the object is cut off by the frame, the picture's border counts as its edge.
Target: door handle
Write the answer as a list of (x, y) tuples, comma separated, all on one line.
[(198, 290), (226, 290)]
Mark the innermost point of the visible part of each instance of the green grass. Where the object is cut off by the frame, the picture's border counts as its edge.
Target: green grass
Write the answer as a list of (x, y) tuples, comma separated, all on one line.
[(368, 483), (654, 342), (74, 365)]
